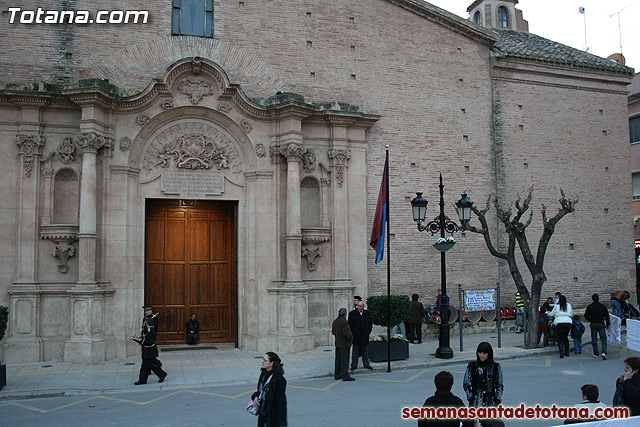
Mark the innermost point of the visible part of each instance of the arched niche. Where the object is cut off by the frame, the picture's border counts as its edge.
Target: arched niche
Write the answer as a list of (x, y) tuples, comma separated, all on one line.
[(310, 203), (66, 197)]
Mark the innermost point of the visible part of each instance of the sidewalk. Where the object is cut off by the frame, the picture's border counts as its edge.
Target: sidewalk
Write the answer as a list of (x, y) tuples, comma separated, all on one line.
[(194, 367)]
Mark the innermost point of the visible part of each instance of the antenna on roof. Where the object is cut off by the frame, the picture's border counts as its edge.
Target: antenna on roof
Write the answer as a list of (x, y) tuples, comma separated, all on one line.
[(619, 26), (583, 13)]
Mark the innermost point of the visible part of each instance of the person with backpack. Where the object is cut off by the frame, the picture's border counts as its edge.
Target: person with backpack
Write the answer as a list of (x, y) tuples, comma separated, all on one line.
[(577, 330)]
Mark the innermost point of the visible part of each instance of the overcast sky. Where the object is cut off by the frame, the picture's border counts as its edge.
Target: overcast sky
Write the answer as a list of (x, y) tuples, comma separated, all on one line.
[(560, 20)]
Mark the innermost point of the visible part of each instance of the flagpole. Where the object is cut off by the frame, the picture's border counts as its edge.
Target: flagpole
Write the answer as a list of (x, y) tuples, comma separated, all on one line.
[(388, 269)]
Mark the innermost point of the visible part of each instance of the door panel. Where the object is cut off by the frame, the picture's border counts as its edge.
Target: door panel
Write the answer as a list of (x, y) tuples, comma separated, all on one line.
[(190, 268)]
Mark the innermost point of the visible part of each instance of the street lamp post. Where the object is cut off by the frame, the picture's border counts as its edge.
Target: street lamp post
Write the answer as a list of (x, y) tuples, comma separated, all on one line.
[(442, 224)]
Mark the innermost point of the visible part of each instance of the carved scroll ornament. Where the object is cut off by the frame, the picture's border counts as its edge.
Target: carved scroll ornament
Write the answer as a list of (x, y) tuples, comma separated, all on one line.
[(194, 151), (195, 88), (29, 148), (311, 252)]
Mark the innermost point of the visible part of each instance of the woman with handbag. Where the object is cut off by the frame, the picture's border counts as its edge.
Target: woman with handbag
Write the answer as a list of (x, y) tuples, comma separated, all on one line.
[(562, 314), (270, 401)]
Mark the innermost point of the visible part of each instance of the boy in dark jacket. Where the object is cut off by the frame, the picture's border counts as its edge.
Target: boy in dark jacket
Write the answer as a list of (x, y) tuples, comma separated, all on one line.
[(577, 330), (543, 324)]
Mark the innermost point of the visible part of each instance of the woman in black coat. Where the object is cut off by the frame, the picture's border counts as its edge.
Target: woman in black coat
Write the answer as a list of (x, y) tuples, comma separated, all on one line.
[(628, 387), (270, 397), (483, 379)]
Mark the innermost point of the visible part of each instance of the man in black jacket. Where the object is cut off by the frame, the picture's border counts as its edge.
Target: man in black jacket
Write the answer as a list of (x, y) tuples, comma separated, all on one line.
[(361, 326), (147, 340), (443, 398), (598, 317), (193, 329)]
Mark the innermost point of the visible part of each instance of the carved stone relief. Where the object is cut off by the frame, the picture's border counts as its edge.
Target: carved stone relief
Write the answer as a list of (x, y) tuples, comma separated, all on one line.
[(29, 148), (244, 123), (125, 144), (67, 151), (225, 107), (260, 150), (311, 252), (63, 252), (142, 118), (340, 159), (192, 146), (309, 160), (164, 106), (195, 87)]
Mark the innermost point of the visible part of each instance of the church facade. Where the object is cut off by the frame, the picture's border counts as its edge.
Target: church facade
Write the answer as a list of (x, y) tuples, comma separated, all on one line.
[(226, 162)]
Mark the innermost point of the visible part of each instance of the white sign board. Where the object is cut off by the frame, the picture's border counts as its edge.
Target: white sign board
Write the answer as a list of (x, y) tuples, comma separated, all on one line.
[(479, 299), (613, 332), (633, 334), (193, 183)]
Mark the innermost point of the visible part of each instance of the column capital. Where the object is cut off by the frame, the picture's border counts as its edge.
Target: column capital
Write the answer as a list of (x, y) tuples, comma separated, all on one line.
[(29, 148), (91, 142), (292, 151)]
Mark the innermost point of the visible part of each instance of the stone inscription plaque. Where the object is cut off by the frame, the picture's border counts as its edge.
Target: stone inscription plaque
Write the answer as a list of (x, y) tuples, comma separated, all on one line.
[(193, 183)]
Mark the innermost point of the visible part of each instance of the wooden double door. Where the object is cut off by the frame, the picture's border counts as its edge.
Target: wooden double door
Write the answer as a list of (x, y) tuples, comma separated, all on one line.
[(190, 268)]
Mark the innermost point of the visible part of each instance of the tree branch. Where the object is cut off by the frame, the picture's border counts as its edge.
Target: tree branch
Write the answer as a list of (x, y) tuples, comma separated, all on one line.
[(566, 206)]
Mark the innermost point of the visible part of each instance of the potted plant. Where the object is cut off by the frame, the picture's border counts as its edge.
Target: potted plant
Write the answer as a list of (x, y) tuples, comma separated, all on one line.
[(443, 244), (377, 306), (4, 317)]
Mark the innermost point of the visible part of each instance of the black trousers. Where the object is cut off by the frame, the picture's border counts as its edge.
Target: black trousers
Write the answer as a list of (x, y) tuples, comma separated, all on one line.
[(149, 365), (415, 332), (342, 362), (357, 352), (192, 338), (563, 337)]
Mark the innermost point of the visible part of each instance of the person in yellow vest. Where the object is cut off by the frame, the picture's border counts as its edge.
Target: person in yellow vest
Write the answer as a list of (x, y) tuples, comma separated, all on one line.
[(519, 312)]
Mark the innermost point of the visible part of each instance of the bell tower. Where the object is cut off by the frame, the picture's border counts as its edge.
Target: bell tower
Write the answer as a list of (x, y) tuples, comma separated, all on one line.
[(500, 14)]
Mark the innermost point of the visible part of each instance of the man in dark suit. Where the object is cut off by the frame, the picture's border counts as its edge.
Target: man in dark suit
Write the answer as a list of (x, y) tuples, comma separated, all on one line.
[(147, 340), (443, 398), (340, 328), (361, 326)]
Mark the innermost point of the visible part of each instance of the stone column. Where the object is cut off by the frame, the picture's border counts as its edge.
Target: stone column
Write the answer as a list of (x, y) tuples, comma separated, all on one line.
[(90, 143), (340, 229), (292, 151), (25, 344), (87, 343)]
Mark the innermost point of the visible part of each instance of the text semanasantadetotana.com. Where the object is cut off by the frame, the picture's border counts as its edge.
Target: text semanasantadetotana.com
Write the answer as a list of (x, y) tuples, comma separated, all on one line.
[(42, 16), (517, 412)]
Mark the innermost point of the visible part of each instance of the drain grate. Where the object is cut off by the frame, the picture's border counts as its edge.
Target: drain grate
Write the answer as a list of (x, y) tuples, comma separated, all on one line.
[(327, 350), (47, 366), (129, 364)]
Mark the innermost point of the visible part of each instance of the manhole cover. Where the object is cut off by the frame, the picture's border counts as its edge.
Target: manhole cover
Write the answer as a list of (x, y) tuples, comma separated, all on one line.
[(129, 364), (47, 366)]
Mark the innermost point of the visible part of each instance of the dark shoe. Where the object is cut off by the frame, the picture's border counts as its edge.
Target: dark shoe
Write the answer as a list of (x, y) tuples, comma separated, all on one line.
[(337, 378), (561, 356), (566, 354), (162, 378), (348, 379), (419, 342), (352, 368), (139, 382), (368, 367)]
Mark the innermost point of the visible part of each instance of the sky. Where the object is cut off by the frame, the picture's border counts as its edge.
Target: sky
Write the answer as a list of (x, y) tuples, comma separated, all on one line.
[(561, 21)]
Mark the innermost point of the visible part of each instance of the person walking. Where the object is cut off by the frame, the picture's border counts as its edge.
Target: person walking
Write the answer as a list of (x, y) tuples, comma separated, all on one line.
[(147, 341), (577, 330), (270, 398), (483, 382), (416, 316), (599, 320), (628, 387), (361, 326), (618, 300), (340, 328), (562, 314), (443, 398)]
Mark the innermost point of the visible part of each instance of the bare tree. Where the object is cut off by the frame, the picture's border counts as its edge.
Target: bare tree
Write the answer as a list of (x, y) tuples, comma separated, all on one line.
[(516, 232)]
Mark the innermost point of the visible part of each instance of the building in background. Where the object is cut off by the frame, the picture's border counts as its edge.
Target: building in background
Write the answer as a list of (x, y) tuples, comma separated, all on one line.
[(225, 160)]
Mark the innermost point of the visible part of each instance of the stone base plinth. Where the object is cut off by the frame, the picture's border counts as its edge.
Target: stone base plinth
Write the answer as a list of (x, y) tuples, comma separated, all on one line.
[(23, 350), (85, 350)]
